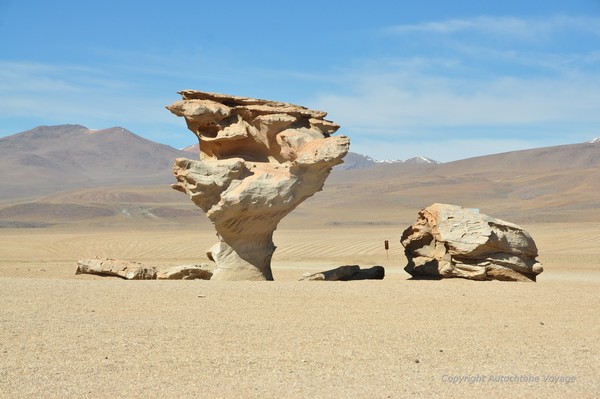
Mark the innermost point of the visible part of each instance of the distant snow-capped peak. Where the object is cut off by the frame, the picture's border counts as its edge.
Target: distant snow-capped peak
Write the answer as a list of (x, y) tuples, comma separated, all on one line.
[(421, 160), (595, 141)]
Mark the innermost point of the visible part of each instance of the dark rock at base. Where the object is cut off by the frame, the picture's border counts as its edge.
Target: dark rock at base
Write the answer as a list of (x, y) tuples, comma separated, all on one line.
[(347, 273)]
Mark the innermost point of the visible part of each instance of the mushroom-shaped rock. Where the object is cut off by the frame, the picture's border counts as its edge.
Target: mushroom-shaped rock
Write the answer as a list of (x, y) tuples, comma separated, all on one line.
[(451, 241), (259, 159)]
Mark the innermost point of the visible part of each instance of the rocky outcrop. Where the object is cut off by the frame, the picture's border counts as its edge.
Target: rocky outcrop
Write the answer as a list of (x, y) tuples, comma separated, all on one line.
[(347, 273), (451, 241), (117, 268), (259, 159), (185, 272)]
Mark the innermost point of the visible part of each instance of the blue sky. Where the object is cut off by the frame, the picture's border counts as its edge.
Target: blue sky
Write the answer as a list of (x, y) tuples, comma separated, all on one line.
[(443, 79)]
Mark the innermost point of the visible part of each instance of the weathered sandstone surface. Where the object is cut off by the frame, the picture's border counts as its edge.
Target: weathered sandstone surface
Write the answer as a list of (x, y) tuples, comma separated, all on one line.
[(451, 241), (259, 159)]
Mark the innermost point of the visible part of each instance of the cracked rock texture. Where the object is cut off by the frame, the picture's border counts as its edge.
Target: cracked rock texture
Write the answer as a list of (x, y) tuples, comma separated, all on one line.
[(451, 241), (259, 159)]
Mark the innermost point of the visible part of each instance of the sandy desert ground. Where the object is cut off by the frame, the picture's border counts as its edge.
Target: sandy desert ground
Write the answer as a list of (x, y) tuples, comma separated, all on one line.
[(64, 335)]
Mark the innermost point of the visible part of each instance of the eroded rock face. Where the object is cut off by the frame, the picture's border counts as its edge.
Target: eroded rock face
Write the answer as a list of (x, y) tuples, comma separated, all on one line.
[(258, 160), (451, 241)]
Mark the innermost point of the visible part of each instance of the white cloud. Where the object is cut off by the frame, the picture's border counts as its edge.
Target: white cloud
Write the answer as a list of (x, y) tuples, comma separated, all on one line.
[(126, 89), (48, 91), (37, 93), (472, 97), (397, 103), (525, 29)]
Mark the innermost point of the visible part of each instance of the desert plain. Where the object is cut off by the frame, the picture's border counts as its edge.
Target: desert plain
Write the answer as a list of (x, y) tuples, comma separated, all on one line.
[(66, 335), (87, 336)]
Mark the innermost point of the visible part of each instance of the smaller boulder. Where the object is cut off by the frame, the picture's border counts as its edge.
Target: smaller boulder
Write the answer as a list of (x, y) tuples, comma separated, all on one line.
[(452, 241)]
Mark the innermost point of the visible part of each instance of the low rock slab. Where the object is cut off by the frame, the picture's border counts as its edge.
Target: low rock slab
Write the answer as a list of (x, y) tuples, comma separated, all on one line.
[(117, 268), (136, 271), (452, 241), (347, 273)]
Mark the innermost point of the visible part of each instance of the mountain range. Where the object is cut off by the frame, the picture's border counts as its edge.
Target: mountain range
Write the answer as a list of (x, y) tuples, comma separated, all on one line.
[(359, 161), (69, 174), (351, 161)]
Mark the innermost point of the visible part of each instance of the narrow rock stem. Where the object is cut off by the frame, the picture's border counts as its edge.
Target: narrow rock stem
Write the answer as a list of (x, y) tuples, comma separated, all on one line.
[(241, 259)]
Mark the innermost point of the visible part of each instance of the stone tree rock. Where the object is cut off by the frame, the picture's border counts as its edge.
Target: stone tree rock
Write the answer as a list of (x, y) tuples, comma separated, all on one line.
[(451, 241), (259, 159)]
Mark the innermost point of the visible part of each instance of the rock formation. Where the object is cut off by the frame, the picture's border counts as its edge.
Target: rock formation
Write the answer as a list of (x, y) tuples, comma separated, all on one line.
[(451, 241), (258, 160)]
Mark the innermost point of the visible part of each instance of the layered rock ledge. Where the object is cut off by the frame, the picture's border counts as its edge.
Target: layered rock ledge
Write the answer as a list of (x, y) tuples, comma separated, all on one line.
[(259, 159), (451, 241)]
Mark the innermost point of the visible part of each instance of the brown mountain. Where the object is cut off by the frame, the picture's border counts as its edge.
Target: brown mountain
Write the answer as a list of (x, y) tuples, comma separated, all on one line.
[(48, 159), (70, 174)]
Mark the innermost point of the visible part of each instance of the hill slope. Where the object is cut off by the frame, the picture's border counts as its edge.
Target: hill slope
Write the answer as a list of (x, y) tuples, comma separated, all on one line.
[(48, 159)]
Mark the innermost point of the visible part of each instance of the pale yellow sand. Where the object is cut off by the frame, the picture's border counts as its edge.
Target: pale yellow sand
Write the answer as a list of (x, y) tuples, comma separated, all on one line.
[(63, 335)]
